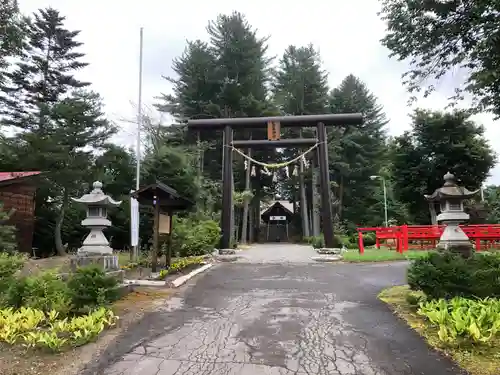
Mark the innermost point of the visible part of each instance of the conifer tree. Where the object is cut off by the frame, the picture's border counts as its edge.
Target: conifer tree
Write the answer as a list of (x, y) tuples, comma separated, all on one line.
[(357, 152), (45, 73)]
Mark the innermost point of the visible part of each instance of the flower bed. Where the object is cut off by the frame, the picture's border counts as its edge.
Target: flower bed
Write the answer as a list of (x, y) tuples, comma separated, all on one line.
[(181, 265), (454, 302), (463, 329), (43, 311), (33, 328)]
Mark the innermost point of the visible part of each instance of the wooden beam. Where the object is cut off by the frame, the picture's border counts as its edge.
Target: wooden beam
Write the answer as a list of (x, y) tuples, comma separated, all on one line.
[(299, 142), (285, 121)]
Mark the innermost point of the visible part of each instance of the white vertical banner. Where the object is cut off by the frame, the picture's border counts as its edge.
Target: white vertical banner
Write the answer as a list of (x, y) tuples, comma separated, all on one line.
[(134, 221)]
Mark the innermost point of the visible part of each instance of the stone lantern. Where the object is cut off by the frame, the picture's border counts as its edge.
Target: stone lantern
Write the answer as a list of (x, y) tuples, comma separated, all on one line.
[(451, 200), (96, 243)]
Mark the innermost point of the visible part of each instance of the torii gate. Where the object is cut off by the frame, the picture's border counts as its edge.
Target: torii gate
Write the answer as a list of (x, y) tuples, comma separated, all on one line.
[(274, 125)]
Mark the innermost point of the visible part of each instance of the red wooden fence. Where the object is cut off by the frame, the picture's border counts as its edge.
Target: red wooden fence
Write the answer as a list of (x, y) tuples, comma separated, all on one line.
[(404, 237)]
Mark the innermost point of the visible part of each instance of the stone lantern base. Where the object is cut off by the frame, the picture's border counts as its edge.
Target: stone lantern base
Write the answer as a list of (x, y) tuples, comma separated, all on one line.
[(455, 240), (109, 263)]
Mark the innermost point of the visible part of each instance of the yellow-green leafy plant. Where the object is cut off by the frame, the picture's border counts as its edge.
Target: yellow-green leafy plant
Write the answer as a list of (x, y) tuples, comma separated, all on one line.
[(462, 320), (34, 328), (179, 265)]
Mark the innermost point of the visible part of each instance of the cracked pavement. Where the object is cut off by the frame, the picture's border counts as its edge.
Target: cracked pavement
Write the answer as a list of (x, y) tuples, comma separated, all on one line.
[(299, 317)]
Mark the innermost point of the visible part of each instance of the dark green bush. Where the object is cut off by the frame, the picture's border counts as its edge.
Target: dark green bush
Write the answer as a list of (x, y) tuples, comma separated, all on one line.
[(10, 264), (194, 237), (447, 275), (369, 239), (44, 292), (318, 242), (307, 239), (91, 287), (7, 233)]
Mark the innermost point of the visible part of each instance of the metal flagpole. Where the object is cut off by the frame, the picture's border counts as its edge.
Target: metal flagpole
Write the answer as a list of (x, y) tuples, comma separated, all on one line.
[(139, 114), (134, 206)]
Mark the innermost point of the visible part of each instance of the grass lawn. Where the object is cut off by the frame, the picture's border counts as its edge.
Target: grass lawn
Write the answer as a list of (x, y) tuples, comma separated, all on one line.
[(382, 255), (476, 360)]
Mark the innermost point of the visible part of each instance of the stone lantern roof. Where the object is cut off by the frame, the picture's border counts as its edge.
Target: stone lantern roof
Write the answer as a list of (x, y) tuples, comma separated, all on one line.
[(450, 190), (97, 197)]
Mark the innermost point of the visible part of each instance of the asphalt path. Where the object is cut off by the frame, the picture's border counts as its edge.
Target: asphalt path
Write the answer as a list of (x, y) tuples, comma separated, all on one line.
[(276, 312)]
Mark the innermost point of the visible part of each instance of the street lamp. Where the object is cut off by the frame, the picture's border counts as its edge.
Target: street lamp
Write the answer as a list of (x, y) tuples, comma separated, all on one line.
[(385, 196)]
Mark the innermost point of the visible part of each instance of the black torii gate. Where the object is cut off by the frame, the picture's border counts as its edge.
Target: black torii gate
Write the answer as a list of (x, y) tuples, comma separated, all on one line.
[(273, 125)]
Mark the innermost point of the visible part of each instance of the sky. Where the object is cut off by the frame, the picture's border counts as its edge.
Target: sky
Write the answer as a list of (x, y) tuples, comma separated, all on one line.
[(347, 34)]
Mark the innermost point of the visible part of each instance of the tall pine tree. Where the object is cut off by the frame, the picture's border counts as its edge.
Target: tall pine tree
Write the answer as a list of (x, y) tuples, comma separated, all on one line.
[(357, 152), (12, 33), (44, 74), (225, 78), (58, 124), (300, 87)]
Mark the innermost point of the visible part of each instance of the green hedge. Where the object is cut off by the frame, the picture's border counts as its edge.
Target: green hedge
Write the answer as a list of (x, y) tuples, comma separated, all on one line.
[(448, 275), (318, 242), (86, 289)]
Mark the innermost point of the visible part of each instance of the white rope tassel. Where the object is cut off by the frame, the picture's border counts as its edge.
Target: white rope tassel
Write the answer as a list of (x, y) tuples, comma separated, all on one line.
[(305, 161), (252, 171), (287, 172), (275, 177), (246, 165), (295, 171)]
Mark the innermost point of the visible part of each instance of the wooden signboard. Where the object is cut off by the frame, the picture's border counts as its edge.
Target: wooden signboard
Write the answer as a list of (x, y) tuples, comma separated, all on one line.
[(164, 227), (273, 131)]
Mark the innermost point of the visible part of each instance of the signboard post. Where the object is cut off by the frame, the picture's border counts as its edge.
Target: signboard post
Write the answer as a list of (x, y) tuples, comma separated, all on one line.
[(134, 222)]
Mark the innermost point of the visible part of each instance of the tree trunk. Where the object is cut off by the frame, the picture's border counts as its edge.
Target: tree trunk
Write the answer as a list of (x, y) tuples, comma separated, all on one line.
[(251, 224), (246, 204), (233, 238), (432, 211), (59, 222), (256, 212), (303, 202), (316, 222), (341, 198)]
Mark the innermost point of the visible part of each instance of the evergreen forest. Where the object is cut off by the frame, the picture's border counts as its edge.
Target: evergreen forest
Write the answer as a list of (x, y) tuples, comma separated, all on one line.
[(53, 122)]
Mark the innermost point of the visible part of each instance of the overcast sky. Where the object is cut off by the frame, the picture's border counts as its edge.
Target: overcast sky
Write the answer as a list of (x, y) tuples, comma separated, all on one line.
[(346, 33)]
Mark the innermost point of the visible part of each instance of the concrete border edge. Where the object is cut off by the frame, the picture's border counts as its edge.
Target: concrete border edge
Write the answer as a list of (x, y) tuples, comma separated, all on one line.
[(182, 279)]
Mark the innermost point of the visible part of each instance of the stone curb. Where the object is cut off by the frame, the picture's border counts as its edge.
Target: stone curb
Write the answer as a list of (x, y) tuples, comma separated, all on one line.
[(328, 258), (175, 283), (144, 282), (181, 280)]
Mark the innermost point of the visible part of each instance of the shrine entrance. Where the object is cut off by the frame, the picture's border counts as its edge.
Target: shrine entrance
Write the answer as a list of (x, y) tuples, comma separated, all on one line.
[(277, 218), (317, 145)]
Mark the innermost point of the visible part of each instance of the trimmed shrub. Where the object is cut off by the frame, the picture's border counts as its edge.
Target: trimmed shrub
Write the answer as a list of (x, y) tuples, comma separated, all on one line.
[(45, 292), (318, 242), (369, 239), (90, 287), (7, 233), (10, 264), (448, 275)]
